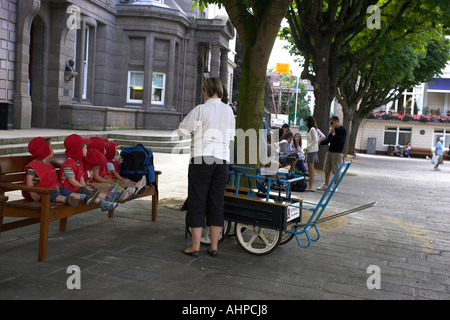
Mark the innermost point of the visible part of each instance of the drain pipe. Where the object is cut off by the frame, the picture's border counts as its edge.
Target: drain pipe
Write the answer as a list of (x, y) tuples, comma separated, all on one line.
[(183, 81)]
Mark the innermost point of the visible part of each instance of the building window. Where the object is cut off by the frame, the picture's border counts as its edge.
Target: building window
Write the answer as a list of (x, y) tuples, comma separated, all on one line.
[(158, 87), (86, 62), (396, 135), (135, 86), (441, 133), (83, 57)]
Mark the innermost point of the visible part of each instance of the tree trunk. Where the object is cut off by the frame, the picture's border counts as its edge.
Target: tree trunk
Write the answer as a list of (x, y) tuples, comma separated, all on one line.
[(347, 123), (251, 107), (323, 97), (257, 32), (356, 122)]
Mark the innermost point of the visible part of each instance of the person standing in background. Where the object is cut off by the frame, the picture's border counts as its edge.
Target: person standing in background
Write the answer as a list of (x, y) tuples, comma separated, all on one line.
[(439, 152), (333, 159), (311, 149)]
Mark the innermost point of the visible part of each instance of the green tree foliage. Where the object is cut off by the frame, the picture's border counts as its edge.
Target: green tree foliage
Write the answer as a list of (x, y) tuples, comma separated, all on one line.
[(257, 22), (357, 52), (290, 98), (408, 49), (319, 30)]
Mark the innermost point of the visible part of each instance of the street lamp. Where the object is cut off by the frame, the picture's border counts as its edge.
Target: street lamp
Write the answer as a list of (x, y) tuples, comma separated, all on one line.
[(206, 73)]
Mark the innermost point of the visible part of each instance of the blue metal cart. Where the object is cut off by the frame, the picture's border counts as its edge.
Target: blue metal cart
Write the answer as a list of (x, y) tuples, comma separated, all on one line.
[(264, 219)]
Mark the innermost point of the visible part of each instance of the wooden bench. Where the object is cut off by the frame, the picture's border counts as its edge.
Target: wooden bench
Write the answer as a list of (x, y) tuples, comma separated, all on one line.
[(43, 212), (426, 152), (352, 152), (421, 152)]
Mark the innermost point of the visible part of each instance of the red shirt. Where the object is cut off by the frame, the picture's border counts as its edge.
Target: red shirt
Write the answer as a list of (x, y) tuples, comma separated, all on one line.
[(46, 174), (77, 170)]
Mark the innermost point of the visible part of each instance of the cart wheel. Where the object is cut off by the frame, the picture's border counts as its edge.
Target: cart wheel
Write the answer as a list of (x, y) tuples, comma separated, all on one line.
[(206, 240), (287, 236), (257, 240)]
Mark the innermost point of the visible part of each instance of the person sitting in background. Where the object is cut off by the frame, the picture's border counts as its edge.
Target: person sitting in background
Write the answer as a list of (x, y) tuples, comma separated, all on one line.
[(282, 131), (407, 149), (287, 157), (296, 146)]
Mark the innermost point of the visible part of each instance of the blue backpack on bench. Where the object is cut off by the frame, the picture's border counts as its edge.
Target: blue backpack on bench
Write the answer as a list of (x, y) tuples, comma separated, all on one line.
[(136, 162)]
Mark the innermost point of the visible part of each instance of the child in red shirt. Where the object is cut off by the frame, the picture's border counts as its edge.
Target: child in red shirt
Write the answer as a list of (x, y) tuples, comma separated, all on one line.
[(113, 167), (101, 176), (91, 161), (100, 173), (41, 174)]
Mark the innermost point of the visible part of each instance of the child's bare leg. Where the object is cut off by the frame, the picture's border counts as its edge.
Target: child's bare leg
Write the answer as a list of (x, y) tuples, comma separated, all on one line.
[(76, 195), (70, 200), (60, 199)]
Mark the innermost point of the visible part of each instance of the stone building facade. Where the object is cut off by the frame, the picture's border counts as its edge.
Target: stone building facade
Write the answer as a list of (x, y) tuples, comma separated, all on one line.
[(8, 15), (136, 64)]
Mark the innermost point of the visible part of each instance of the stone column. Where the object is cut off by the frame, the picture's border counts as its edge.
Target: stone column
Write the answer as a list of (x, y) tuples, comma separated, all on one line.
[(215, 61), (148, 75), (26, 9), (224, 67), (170, 78)]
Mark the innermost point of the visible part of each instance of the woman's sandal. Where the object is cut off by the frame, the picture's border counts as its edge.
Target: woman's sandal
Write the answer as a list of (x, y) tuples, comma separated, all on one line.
[(192, 254), (212, 253)]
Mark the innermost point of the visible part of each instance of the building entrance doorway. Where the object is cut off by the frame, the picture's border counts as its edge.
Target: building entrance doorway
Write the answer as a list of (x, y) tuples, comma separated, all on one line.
[(36, 73)]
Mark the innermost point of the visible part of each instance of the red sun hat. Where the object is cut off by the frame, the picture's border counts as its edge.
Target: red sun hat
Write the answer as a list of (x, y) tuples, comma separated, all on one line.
[(98, 144), (93, 159), (73, 145), (111, 149), (39, 148)]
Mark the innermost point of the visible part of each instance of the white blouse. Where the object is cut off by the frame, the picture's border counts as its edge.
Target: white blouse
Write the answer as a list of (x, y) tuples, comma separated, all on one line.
[(311, 141), (213, 127)]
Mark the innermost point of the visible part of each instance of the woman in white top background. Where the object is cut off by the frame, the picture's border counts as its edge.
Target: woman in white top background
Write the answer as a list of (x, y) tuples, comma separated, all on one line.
[(212, 125), (311, 149)]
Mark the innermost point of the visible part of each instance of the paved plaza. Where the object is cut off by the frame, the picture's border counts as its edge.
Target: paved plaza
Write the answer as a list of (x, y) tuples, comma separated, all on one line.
[(404, 240)]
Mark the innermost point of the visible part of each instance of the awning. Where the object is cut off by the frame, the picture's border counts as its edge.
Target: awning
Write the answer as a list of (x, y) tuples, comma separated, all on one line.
[(439, 85)]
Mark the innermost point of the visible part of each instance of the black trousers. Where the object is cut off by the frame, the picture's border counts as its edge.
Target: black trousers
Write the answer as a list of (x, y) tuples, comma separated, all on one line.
[(206, 186)]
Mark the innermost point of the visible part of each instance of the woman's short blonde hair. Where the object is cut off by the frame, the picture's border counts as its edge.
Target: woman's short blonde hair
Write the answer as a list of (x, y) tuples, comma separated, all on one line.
[(213, 86)]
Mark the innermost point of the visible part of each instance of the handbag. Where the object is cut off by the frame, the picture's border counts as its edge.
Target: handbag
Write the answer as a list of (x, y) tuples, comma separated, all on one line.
[(434, 159)]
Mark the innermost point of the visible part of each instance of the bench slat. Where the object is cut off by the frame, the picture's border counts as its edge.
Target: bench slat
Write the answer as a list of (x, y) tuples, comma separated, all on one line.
[(13, 164), (13, 177)]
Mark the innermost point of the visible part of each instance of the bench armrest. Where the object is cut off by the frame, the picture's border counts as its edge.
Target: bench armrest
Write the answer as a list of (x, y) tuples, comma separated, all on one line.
[(157, 173), (17, 186)]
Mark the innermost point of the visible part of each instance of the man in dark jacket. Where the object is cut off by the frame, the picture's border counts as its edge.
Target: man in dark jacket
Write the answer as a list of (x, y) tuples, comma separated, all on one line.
[(333, 158)]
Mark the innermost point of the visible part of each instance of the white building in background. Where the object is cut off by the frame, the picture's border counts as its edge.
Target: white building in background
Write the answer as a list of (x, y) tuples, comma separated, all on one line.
[(430, 99)]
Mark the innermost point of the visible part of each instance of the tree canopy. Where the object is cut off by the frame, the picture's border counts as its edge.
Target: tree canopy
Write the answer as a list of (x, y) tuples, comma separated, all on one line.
[(257, 23), (387, 51)]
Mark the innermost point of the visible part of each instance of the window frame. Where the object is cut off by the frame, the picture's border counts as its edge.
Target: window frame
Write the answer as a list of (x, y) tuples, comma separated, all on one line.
[(398, 131), (163, 89), (444, 133), (129, 100)]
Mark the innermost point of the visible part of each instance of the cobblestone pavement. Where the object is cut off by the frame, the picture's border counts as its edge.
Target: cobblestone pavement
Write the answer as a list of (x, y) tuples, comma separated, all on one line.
[(406, 236)]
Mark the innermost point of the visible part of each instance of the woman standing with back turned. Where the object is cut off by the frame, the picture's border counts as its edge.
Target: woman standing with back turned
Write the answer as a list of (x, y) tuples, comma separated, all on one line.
[(312, 149), (212, 125)]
